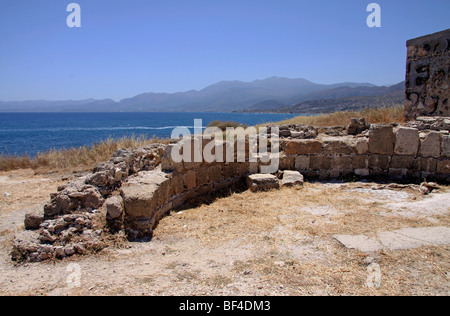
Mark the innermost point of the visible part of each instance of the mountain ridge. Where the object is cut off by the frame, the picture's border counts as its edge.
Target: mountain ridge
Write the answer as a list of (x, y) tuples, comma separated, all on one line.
[(223, 96)]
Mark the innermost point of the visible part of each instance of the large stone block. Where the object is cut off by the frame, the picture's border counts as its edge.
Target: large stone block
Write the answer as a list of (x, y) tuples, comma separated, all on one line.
[(402, 162), (341, 162), (144, 194), (320, 162), (407, 141), (338, 145), (360, 162), (262, 182), (430, 146), (302, 162), (301, 147), (379, 161), (292, 178), (425, 164), (381, 139), (287, 162)]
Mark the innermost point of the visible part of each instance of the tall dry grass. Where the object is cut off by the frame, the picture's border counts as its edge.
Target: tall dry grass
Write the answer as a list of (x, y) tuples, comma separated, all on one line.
[(383, 115), (75, 158)]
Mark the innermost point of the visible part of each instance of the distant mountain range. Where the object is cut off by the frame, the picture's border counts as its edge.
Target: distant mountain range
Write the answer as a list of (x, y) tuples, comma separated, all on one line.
[(339, 99), (273, 94)]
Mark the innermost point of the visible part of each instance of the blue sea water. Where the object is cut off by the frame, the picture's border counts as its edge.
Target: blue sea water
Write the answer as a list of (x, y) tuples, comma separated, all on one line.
[(31, 133)]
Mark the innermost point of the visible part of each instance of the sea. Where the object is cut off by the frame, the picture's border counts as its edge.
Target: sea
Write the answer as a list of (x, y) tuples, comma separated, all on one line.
[(33, 133)]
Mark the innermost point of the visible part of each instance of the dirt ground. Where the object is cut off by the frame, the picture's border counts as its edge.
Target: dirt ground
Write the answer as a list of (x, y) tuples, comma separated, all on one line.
[(271, 243)]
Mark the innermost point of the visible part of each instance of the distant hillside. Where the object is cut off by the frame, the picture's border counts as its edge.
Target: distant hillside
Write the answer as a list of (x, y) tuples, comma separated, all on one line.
[(225, 96), (330, 101)]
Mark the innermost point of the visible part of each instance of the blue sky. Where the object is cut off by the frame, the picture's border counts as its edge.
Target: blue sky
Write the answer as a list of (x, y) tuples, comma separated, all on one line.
[(127, 47)]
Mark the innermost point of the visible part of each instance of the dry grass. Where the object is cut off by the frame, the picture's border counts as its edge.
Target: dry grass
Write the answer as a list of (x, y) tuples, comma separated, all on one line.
[(384, 115), (80, 158), (286, 240)]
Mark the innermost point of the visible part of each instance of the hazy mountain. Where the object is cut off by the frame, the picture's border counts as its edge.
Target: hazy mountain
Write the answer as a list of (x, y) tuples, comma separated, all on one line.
[(56, 106), (224, 96), (359, 97)]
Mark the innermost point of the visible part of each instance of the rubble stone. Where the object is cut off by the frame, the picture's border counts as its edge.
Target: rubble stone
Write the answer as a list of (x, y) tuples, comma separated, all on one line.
[(262, 182)]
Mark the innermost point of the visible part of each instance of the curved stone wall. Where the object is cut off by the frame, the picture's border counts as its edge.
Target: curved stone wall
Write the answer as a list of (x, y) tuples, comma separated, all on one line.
[(140, 186)]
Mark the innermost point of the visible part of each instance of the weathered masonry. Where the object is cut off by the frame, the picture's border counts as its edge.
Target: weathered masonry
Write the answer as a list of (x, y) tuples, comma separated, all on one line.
[(137, 187), (427, 76)]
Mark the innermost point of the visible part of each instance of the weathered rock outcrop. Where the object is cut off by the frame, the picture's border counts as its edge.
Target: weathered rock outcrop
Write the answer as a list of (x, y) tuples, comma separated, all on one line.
[(427, 76)]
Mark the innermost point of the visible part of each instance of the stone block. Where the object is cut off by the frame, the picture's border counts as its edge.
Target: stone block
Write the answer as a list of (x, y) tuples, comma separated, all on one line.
[(362, 172), (379, 162), (190, 179), (341, 162), (302, 162), (361, 145), (402, 162), (407, 141), (425, 164), (34, 218), (144, 194), (397, 173), (335, 173), (287, 162), (359, 242), (114, 206), (443, 166), (320, 162), (301, 147), (360, 162), (430, 146), (381, 139), (445, 146), (262, 182), (337, 145), (292, 178)]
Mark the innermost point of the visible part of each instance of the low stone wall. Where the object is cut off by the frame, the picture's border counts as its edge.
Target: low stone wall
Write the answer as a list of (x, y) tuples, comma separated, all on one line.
[(138, 187), (381, 152)]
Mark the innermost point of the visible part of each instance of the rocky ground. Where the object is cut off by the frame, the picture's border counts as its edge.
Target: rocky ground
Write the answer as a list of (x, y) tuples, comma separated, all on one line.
[(280, 242)]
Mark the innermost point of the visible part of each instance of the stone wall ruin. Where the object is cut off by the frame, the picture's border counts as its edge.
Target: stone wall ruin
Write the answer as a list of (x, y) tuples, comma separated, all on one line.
[(428, 76), (136, 188)]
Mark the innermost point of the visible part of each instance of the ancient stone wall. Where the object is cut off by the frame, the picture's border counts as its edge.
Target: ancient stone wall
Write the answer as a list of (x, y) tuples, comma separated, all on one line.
[(427, 76), (138, 187)]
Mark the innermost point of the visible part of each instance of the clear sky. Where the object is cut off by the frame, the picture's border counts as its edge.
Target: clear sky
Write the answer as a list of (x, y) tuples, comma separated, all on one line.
[(127, 47)]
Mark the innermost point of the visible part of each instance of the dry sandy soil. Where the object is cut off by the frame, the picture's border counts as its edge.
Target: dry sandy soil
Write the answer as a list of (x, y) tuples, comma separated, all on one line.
[(271, 243)]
